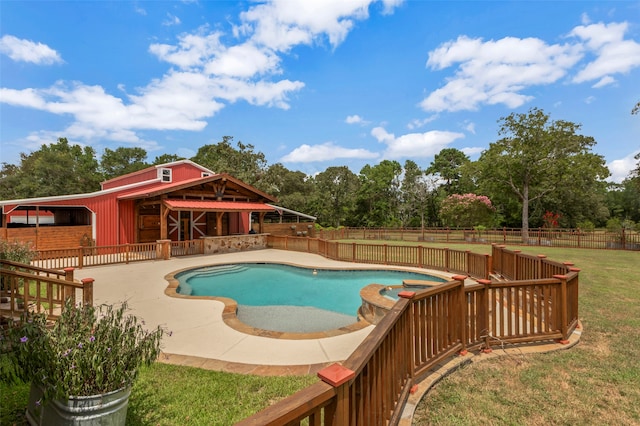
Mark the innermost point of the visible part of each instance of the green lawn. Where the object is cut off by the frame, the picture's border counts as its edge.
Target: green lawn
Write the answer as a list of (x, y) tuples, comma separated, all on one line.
[(171, 395), (596, 382)]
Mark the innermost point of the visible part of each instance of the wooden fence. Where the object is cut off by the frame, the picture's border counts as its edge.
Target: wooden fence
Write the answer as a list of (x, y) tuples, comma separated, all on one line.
[(443, 259), (423, 329), (516, 299), (571, 238), (29, 288)]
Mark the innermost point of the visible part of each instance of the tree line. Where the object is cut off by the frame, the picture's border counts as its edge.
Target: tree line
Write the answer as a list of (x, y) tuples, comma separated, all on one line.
[(536, 168)]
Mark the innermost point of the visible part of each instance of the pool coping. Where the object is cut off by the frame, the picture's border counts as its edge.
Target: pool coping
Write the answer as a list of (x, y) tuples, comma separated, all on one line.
[(229, 313)]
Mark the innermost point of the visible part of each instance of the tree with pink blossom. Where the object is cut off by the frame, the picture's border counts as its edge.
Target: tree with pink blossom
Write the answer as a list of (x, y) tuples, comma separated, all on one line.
[(467, 210)]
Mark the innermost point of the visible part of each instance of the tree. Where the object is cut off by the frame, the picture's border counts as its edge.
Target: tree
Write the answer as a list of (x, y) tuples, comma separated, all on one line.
[(467, 210), (537, 157), (10, 182), (334, 196), (242, 163), (55, 169), (122, 161), (448, 165), (417, 193), (379, 194), (294, 190), (166, 158)]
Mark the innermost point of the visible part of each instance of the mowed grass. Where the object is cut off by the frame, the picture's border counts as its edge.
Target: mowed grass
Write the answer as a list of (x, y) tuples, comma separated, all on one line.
[(595, 382)]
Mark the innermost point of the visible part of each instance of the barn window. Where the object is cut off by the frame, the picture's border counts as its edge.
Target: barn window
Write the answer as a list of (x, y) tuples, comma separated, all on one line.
[(165, 175)]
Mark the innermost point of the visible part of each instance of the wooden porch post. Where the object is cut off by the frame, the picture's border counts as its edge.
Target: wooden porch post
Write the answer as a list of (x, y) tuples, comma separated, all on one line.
[(219, 223), (164, 212), (261, 222)]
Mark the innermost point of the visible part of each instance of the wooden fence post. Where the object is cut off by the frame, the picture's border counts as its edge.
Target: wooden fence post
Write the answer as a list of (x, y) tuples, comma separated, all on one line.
[(488, 265), (80, 257), (446, 258), (339, 377), (516, 264), (539, 268), (462, 315), (87, 291), (483, 315), (68, 276), (564, 323)]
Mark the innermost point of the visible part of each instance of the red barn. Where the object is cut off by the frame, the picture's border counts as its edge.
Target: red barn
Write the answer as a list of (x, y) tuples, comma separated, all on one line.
[(177, 201)]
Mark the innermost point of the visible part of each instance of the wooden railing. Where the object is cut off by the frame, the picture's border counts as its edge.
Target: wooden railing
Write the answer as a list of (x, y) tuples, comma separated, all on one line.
[(80, 257), (444, 259), (572, 238), (28, 288), (371, 387)]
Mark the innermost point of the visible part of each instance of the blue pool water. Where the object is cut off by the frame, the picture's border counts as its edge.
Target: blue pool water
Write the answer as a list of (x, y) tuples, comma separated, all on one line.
[(254, 284)]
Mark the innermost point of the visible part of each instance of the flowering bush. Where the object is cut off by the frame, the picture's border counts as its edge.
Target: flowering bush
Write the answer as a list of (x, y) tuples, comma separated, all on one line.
[(467, 210), (87, 351), (16, 251), (550, 219)]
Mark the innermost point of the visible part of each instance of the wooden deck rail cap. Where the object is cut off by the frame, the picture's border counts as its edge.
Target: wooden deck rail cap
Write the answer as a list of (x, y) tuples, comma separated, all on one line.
[(459, 277), (560, 276), (574, 269), (87, 280), (336, 375), (485, 282), (405, 294), (69, 269)]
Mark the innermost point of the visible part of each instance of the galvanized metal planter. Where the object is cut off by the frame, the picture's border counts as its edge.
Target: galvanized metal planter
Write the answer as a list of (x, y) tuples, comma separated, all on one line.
[(108, 409)]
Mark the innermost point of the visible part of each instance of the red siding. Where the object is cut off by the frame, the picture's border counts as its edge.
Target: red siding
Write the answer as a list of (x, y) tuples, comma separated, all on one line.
[(180, 172), (185, 171), (141, 176)]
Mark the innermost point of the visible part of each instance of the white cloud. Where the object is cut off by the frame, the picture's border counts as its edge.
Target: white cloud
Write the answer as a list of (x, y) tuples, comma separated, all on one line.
[(470, 151), (171, 20), (604, 81), (418, 123), (414, 145), (281, 24), (620, 169), (21, 50), (324, 152), (205, 74), (355, 119), (495, 71), (499, 71), (139, 10), (614, 54), (469, 127), (244, 61), (192, 50)]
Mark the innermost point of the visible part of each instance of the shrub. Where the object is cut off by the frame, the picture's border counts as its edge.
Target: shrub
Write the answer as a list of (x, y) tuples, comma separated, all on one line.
[(16, 251), (467, 210), (86, 352), (586, 226)]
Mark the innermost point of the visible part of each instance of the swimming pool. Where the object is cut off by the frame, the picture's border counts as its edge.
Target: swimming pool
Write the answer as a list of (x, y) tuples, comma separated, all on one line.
[(315, 293)]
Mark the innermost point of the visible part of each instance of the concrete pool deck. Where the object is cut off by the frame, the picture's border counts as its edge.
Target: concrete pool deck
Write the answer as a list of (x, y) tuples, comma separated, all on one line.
[(198, 335)]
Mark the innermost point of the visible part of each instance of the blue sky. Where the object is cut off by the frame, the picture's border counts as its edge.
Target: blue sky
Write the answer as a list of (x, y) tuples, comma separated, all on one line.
[(314, 84)]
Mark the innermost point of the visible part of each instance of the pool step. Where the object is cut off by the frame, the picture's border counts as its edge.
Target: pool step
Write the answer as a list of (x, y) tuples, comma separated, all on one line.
[(216, 271)]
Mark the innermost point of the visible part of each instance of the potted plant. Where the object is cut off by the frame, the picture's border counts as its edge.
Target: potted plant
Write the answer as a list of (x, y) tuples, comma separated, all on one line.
[(82, 366)]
